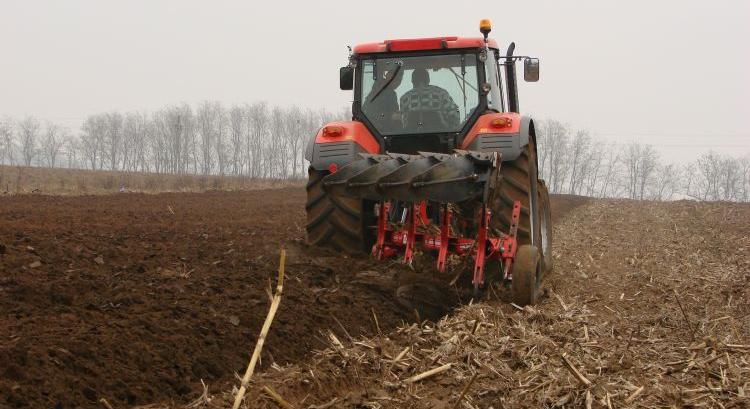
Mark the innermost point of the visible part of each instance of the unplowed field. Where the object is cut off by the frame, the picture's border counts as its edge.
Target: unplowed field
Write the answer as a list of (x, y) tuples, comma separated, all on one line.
[(136, 299)]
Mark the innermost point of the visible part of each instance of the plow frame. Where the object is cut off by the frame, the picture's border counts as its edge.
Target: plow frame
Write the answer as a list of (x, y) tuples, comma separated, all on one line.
[(395, 238)]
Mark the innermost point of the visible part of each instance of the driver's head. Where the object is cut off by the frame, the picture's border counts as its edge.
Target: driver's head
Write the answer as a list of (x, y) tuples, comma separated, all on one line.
[(420, 78)]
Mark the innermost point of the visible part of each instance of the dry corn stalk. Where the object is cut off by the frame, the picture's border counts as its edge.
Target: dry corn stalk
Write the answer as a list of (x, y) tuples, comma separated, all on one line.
[(263, 332)]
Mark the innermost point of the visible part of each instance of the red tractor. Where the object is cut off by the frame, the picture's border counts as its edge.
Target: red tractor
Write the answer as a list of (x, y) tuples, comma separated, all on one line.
[(437, 158)]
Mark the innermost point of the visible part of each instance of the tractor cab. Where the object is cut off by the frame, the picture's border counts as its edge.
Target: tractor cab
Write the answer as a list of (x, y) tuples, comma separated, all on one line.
[(427, 93)]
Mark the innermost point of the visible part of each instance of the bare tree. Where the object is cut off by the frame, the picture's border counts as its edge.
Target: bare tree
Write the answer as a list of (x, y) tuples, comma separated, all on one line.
[(293, 131), (188, 140), (649, 161), (113, 138), (611, 174), (557, 144), (578, 160), (277, 148), (595, 167), (205, 129), (730, 177), (744, 193), (665, 182), (7, 145), (29, 133), (265, 141), (93, 140), (52, 142), (640, 162), (718, 177), (72, 147), (237, 129), (258, 116), (706, 186), (220, 138)]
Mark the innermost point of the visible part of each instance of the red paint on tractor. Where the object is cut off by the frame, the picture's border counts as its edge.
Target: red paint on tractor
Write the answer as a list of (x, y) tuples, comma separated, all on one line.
[(423, 44), (349, 131)]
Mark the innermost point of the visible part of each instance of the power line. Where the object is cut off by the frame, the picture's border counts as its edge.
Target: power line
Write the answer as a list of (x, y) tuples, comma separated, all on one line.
[(685, 145), (674, 135)]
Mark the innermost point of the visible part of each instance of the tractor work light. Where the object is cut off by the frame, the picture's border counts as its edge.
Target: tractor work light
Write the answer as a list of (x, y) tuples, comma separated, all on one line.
[(333, 131), (501, 122), (485, 26)]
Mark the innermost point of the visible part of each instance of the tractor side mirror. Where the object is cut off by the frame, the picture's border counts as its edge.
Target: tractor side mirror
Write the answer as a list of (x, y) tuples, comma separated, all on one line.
[(346, 78), (531, 69)]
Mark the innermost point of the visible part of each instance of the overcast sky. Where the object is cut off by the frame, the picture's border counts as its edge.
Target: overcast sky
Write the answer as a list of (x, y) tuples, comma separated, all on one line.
[(672, 73)]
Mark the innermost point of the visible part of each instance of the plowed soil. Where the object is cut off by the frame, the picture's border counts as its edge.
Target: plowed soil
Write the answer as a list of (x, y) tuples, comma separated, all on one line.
[(138, 298)]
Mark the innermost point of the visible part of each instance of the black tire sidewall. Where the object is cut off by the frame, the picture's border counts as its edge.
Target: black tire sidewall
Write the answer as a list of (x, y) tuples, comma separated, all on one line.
[(545, 217), (342, 222), (534, 205)]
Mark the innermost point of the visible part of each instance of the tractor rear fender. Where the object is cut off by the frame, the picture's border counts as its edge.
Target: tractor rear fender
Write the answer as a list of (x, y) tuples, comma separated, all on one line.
[(339, 143), (505, 132)]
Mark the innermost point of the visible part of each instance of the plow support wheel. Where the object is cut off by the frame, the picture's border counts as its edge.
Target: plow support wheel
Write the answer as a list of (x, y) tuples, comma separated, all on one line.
[(525, 277)]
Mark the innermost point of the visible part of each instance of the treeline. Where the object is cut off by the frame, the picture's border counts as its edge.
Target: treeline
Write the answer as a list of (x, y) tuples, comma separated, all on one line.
[(575, 162), (255, 140), (262, 141)]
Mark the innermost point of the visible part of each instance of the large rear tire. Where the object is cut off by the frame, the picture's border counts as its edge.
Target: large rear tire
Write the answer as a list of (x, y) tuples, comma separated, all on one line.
[(518, 182), (334, 221)]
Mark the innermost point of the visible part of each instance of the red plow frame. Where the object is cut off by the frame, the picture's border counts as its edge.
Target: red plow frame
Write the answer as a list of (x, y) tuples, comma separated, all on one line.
[(392, 239)]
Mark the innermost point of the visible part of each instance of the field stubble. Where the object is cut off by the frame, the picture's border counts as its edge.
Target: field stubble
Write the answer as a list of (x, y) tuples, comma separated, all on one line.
[(139, 299), (648, 307)]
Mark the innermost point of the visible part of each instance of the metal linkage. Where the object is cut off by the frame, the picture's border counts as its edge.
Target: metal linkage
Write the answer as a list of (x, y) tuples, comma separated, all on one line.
[(379, 249), (411, 233), (510, 244), (445, 231), (481, 250)]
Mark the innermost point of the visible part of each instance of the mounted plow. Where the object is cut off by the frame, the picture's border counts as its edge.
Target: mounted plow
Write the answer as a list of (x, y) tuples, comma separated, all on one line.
[(422, 204)]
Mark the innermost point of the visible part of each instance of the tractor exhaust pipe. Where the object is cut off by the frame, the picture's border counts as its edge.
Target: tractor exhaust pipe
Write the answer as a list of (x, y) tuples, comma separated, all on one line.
[(510, 74)]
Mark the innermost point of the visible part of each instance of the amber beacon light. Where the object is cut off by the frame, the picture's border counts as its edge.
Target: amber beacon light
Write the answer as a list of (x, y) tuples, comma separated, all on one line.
[(485, 26)]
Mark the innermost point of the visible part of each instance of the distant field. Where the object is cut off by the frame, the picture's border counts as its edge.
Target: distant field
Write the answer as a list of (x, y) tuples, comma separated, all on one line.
[(16, 180)]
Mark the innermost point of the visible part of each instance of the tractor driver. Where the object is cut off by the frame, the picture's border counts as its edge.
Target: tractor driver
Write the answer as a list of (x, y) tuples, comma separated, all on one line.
[(426, 101), (381, 104)]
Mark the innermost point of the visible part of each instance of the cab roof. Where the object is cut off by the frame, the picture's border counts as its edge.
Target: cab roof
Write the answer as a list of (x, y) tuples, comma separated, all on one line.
[(420, 44)]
